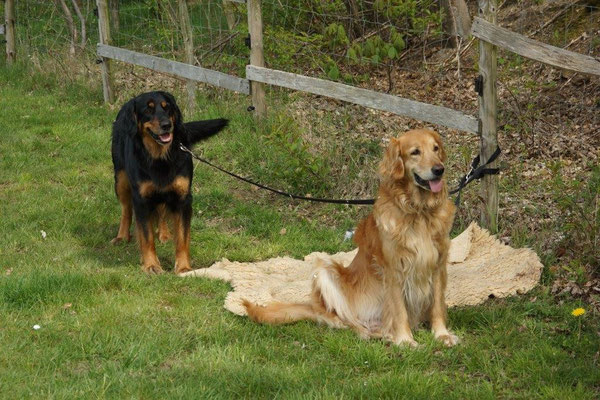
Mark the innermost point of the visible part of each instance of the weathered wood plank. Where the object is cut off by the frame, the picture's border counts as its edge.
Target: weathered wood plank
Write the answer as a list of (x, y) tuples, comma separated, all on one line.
[(488, 116), (533, 49), (176, 68), (368, 98)]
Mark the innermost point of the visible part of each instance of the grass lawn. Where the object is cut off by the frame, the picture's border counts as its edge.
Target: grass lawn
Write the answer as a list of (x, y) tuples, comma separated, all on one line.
[(109, 331)]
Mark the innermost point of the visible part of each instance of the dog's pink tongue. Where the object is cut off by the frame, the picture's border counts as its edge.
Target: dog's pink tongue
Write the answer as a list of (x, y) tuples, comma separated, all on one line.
[(435, 186)]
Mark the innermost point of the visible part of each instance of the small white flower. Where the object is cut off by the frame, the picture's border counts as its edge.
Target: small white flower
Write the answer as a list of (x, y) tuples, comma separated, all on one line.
[(43, 234), (36, 327), (348, 235)]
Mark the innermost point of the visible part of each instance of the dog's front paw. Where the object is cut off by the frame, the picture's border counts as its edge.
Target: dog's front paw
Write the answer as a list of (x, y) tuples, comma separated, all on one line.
[(153, 269), (449, 339), (120, 239), (406, 341), (410, 343), (180, 268), (180, 271)]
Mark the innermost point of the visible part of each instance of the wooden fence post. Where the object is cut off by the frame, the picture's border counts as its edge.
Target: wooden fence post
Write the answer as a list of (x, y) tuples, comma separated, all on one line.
[(188, 43), (256, 54), (487, 116), (9, 21), (104, 33)]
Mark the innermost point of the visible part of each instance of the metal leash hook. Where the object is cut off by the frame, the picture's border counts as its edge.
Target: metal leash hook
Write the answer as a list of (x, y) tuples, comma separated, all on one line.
[(477, 172)]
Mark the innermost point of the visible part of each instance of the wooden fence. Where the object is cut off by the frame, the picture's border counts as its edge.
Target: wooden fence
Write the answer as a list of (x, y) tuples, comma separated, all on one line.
[(485, 125), (483, 27)]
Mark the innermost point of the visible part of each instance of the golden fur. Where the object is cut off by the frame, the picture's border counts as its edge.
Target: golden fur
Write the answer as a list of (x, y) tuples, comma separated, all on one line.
[(398, 276)]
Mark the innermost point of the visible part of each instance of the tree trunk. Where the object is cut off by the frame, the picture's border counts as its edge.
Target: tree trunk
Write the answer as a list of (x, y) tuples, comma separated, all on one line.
[(81, 17), (70, 24), (9, 20), (457, 21), (114, 14), (188, 43), (354, 29), (229, 11)]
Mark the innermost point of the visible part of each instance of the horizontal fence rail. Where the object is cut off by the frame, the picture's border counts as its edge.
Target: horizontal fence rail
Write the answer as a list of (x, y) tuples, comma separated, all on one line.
[(364, 97), (533, 49), (176, 68)]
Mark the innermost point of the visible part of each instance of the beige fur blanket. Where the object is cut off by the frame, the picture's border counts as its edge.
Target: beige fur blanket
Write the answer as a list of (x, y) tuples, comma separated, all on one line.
[(479, 267)]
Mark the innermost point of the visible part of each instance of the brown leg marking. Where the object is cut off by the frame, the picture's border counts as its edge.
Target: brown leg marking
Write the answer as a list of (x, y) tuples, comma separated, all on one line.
[(182, 244), (150, 263), (123, 190), (164, 235)]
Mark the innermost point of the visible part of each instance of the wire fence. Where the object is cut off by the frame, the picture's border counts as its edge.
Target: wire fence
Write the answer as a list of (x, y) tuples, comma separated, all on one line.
[(547, 116), (544, 111), (397, 47)]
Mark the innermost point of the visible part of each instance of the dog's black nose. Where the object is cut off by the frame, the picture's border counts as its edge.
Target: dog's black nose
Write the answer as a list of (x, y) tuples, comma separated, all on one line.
[(438, 170), (166, 125)]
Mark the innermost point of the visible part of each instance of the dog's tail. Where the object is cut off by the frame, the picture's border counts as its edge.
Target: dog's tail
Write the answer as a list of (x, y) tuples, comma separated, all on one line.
[(280, 313), (199, 130)]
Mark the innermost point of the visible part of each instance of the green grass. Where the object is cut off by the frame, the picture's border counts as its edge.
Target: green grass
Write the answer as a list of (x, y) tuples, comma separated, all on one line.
[(110, 331)]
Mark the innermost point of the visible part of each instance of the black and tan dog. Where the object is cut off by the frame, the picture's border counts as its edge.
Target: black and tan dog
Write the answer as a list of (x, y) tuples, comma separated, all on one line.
[(153, 176)]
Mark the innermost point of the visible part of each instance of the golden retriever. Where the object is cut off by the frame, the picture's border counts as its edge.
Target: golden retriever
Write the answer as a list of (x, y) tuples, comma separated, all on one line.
[(398, 276)]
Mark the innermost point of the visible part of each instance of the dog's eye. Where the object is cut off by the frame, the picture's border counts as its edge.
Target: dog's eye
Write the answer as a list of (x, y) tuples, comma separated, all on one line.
[(415, 152), (436, 148)]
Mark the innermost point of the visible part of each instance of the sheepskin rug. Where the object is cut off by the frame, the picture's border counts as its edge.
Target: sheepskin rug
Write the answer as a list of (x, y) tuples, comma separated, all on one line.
[(479, 267)]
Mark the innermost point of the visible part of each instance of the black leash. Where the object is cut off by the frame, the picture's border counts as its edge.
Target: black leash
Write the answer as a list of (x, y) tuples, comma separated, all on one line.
[(477, 172), (290, 195)]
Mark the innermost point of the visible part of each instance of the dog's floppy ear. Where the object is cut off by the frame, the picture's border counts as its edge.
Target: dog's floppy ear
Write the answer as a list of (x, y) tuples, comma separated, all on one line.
[(176, 111), (438, 140), (392, 166), (126, 120)]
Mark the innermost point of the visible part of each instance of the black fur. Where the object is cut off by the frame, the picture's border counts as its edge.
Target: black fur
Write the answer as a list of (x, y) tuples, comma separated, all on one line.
[(145, 147)]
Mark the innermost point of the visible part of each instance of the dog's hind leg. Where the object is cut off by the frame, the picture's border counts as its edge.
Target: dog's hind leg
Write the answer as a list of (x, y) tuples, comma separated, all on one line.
[(123, 190), (330, 291), (285, 313)]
